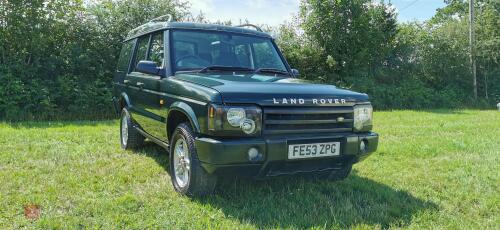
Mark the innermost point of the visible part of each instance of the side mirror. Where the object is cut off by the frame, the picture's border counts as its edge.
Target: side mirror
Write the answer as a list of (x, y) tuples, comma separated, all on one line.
[(295, 72), (148, 67)]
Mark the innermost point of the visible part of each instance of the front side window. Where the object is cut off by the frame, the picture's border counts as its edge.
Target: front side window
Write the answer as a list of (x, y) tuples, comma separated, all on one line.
[(141, 51), (194, 50), (156, 49), (264, 50)]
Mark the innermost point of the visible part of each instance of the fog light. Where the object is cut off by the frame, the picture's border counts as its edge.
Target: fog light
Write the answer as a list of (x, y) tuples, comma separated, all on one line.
[(363, 145), (254, 155)]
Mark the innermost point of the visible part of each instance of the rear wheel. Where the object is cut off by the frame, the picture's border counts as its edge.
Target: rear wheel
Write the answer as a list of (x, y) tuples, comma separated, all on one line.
[(130, 138), (187, 175)]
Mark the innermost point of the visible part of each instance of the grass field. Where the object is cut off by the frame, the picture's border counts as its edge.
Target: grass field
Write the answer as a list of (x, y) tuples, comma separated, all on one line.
[(433, 169)]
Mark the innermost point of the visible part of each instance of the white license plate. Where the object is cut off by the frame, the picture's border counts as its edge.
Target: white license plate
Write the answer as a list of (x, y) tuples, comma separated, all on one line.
[(313, 150)]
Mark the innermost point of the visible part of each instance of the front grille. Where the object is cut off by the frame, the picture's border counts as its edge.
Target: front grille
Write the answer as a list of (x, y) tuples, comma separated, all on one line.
[(292, 120)]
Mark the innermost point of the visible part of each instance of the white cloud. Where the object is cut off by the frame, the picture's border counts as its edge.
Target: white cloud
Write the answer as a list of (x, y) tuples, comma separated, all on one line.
[(257, 3), (270, 12)]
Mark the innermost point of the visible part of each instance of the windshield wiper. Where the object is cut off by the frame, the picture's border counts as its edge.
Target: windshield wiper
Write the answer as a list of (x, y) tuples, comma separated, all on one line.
[(239, 68), (224, 68), (271, 70)]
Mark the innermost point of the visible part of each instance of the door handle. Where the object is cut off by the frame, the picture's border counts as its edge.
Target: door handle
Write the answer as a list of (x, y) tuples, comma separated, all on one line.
[(126, 81), (140, 84)]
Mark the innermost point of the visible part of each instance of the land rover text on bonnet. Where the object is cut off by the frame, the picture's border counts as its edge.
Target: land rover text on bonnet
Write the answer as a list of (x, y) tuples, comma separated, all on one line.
[(223, 101)]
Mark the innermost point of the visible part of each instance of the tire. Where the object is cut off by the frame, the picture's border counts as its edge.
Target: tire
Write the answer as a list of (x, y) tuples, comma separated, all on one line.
[(187, 175), (130, 138)]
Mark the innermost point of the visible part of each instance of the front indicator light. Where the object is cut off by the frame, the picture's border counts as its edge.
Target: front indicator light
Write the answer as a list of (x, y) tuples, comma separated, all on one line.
[(211, 112)]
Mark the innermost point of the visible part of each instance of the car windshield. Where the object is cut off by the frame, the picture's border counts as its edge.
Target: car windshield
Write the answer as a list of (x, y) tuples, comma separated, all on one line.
[(196, 50)]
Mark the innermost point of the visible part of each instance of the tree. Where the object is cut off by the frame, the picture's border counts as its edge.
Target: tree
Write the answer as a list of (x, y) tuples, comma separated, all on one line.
[(487, 30), (356, 34), (57, 57)]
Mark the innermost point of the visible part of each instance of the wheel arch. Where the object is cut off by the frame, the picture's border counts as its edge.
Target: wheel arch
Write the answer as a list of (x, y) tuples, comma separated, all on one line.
[(181, 112), (124, 101)]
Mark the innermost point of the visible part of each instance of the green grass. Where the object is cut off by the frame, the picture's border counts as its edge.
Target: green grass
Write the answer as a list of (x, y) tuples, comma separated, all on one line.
[(433, 169)]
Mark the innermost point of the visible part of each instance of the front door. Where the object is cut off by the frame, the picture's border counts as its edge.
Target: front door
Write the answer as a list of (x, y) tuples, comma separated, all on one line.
[(144, 88)]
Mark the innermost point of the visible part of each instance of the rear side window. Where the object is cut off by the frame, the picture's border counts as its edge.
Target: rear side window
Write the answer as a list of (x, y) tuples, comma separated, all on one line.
[(141, 51), (125, 54)]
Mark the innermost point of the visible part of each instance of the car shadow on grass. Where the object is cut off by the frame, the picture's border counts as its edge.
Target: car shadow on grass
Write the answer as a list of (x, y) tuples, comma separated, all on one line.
[(292, 202), (154, 151), (295, 202)]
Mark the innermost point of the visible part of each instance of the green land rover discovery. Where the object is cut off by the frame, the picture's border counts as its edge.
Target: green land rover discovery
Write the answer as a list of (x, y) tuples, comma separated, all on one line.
[(223, 101)]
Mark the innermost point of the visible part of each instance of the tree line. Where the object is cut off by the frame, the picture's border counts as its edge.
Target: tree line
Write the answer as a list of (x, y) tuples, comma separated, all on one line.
[(57, 57), (359, 45)]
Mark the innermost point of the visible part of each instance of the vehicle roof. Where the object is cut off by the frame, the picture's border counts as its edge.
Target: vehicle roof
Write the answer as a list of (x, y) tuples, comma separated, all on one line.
[(156, 26)]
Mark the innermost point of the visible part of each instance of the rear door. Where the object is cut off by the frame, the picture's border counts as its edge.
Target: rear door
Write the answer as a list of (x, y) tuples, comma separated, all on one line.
[(122, 69), (144, 88)]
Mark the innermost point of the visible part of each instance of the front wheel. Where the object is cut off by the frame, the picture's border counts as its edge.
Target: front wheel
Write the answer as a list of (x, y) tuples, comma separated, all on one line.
[(187, 175)]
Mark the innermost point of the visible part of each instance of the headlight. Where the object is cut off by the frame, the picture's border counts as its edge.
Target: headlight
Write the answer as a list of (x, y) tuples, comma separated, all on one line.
[(248, 126), (363, 118), (235, 116), (234, 120)]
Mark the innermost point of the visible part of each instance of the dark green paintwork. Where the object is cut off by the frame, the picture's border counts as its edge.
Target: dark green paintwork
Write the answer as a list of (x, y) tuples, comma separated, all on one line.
[(244, 89), (190, 94)]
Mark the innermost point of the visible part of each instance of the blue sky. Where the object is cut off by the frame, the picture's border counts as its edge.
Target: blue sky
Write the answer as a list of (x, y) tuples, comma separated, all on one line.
[(275, 12), (420, 10)]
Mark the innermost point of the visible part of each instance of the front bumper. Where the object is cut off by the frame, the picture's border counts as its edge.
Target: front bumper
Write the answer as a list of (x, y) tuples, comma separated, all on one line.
[(230, 156)]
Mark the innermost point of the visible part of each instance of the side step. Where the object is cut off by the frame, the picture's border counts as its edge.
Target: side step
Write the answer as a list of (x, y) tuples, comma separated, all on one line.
[(154, 139)]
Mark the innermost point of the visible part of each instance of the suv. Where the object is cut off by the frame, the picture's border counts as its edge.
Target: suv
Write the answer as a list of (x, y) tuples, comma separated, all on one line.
[(223, 101)]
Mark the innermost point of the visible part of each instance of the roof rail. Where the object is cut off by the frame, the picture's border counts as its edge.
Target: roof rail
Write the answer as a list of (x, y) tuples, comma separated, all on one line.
[(153, 21), (161, 18), (251, 25)]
